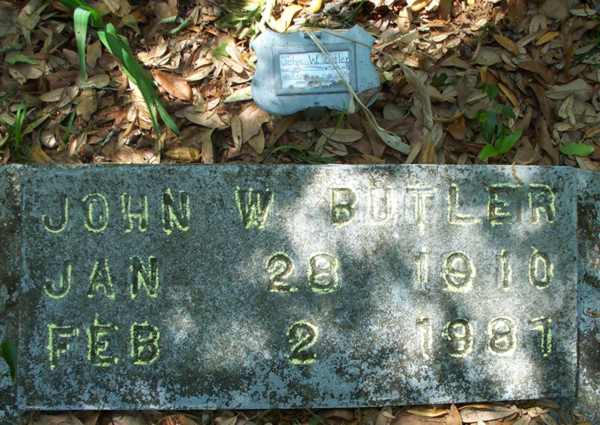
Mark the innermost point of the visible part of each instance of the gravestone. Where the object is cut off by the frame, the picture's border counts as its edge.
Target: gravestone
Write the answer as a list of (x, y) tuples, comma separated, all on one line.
[(296, 286), (9, 275), (293, 73), (588, 388)]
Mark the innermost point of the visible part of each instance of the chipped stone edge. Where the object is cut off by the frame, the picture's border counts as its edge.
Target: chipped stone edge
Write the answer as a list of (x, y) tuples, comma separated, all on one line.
[(588, 239), (10, 195)]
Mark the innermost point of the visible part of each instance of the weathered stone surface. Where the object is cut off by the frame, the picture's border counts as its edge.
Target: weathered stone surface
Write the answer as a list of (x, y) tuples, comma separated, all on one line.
[(293, 74), (9, 276), (588, 232), (338, 286)]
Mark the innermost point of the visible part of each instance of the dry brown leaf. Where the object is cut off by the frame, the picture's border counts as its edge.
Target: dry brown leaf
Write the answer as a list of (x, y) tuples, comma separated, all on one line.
[(345, 414), (183, 154), (284, 21), (453, 417), (579, 88), (208, 119), (458, 128), (199, 74), (428, 412), (537, 68), (418, 5), (94, 51), (315, 6), (472, 414), (509, 95), (546, 38), (175, 85), (52, 95), (258, 142), (507, 43), (342, 135), (87, 104), (252, 118), (236, 133)]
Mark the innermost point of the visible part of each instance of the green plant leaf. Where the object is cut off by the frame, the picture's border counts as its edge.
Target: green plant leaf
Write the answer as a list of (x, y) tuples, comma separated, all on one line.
[(95, 13), (491, 91), (488, 151), (489, 124), (507, 142), (576, 149), (81, 18), (8, 351), (13, 58)]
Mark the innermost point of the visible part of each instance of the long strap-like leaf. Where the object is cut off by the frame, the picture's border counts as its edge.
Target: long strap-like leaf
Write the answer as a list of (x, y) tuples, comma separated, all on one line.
[(81, 18)]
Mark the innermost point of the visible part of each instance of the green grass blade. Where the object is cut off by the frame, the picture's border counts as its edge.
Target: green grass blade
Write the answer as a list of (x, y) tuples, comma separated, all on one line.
[(81, 18), (167, 119), (8, 352), (95, 13)]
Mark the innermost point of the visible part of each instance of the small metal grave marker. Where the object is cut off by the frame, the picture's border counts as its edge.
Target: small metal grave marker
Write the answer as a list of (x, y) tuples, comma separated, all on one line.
[(281, 287), (293, 73)]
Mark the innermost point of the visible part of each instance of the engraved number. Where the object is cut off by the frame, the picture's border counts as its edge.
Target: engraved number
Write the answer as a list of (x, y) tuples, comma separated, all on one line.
[(323, 276), (459, 335), (425, 336), (280, 267), (544, 326), (302, 336), (501, 332)]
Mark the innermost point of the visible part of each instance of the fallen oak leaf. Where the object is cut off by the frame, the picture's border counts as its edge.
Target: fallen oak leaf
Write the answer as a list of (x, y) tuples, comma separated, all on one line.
[(284, 21), (342, 135), (252, 119), (485, 414), (507, 43), (183, 154), (175, 85)]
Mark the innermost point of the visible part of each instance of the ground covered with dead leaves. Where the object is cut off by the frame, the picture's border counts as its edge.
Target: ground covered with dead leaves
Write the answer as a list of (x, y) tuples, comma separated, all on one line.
[(463, 82), (519, 76)]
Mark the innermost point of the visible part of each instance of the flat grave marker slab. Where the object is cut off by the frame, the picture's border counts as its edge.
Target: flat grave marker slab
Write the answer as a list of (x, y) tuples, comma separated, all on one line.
[(588, 385), (296, 286)]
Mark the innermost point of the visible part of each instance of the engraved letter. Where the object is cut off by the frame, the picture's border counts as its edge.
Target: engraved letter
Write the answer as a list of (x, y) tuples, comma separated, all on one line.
[(500, 208), (454, 217), (323, 274), (458, 272), (280, 267), (98, 342), (253, 206), (141, 215), (58, 341), (61, 289), (97, 212), (101, 279), (145, 347), (148, 277), (343, 201), (541, 269), (420, 195), (542, 198), (64, 220), (301, 337), (173, 217), (381, 208)]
